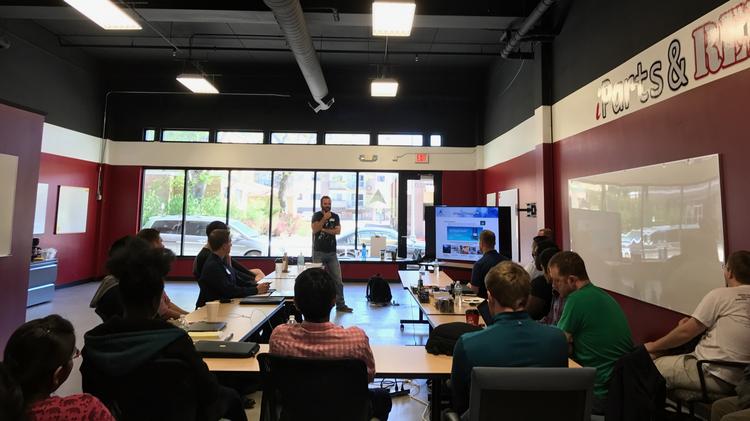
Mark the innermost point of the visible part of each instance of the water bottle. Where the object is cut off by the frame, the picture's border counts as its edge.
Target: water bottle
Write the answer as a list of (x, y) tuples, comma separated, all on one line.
[(292, 320), (437, 271), (300, 262), (285, 263), (457, 292), (364, 251)]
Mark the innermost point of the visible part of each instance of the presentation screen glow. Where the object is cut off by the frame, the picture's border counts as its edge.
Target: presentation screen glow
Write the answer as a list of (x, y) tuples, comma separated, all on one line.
[(457, 231)]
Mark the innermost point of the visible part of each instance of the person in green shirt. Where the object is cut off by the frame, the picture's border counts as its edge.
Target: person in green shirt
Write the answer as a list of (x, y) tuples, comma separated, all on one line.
[(595, 326)]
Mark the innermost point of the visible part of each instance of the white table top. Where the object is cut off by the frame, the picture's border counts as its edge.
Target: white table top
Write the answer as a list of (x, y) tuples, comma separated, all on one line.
[(242, 320)]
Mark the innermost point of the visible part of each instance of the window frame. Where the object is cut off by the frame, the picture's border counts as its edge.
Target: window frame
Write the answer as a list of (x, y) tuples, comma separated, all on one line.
[(317, 137), (266, 136), (377, 139), (211, 135), (344, 144)]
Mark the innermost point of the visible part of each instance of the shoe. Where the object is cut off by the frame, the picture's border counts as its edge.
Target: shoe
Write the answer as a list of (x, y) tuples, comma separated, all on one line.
[(344, 309)]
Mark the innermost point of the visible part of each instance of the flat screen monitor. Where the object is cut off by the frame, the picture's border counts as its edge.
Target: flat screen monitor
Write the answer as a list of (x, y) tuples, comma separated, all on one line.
[(457, 231)]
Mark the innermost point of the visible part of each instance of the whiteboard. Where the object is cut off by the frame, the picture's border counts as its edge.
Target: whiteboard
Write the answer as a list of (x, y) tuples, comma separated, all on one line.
[(40, 212), (510, 198), (653, 233), (72, 210), (8, 177)]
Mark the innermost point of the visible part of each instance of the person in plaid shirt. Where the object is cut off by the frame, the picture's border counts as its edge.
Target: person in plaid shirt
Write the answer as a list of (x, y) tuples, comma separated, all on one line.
[(317, 337)]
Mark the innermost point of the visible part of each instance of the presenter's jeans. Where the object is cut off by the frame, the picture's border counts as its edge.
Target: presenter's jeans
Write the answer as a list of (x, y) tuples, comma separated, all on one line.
[(331, 263)]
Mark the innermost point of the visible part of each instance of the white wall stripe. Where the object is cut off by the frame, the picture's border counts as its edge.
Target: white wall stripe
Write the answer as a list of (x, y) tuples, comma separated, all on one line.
[(60, 141)]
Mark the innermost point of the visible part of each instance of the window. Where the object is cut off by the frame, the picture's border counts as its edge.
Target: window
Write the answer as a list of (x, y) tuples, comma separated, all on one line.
[(400, 139), (149, 135), (250, 210), (163, 201), (436, 140), (342, 188), (294, 138), (377, 212), (185, 136), (239, 137), (347, 139), (206, 202), (291, 212)]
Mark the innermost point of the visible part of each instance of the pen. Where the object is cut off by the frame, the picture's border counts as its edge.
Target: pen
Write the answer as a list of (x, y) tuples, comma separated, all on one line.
[(231, 335)]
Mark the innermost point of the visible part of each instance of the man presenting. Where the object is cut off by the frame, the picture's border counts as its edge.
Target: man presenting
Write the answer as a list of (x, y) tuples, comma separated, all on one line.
[(489, 259), (326, 225)]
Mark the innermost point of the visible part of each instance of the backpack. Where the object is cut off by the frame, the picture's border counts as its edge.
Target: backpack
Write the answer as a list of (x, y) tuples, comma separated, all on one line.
[(378, 290), (443, 338)]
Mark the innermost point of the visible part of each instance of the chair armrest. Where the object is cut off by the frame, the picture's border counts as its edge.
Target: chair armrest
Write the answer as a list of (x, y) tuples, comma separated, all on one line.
[(702, 375), (450, 415)]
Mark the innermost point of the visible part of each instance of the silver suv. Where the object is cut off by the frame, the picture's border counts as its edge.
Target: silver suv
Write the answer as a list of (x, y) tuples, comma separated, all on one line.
[(245, 240)]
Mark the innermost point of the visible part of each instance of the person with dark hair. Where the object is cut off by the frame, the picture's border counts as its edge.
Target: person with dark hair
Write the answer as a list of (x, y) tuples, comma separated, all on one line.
[(535, 242), (513, 339), (316, 337), (167, 309), (490, 258), (244, 274), (38, 359), (723, 319), (542, 296), (11, 397), (326, 225), (122, 345), (546, 232), (593, 322), (106, 301), (219, 280)]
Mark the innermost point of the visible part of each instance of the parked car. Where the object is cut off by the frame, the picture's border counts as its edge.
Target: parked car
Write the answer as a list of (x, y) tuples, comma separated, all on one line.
[(345, 246), (245, 240)]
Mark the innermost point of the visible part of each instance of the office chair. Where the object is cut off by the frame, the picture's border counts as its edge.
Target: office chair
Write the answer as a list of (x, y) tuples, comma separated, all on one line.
[(529, 394), (313, 389), (699, 402), (165, 391)]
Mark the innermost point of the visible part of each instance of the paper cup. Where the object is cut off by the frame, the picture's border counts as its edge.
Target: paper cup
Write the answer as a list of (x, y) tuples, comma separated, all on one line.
[(212, 311), (279, 268)]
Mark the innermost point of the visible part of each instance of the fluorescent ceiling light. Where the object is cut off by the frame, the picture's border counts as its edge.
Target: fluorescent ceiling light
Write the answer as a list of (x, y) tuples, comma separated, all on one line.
[(384, 87), (197, 83), (105, 14), (392, 19)]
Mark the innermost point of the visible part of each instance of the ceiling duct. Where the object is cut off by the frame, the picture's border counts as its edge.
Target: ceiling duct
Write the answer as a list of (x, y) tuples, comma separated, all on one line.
[(526, 26), (288, 14)]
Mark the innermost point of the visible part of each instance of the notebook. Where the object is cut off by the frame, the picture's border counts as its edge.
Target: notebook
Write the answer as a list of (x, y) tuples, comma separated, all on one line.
[(254, 300), (206, 326), (222, 349)]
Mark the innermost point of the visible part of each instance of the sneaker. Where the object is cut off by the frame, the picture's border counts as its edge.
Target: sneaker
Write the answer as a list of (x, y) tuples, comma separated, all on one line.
[(344, 308)]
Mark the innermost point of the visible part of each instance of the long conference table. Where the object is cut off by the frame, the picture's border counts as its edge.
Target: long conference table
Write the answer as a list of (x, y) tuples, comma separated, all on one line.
[(428, 313), (391, 361)]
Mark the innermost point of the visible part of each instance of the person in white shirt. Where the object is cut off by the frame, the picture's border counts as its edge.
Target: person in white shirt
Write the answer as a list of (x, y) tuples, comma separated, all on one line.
[(723, 318)]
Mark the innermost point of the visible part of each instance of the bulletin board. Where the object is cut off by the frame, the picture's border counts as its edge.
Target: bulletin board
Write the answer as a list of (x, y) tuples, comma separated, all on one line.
[(40, 212), (8, 177), (72, 210)]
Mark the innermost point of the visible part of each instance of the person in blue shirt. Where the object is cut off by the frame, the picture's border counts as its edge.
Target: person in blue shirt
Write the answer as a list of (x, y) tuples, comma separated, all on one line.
[(489, 259), (513, 339)]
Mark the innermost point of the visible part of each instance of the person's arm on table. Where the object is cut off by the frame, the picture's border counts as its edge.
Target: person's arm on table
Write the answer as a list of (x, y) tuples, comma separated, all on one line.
[(215, 278), (687, 329)]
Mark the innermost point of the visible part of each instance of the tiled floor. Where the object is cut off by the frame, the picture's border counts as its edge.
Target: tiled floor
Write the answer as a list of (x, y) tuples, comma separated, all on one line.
[(380, 323)]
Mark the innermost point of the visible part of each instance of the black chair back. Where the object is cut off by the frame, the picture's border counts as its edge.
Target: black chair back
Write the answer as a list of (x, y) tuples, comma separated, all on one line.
[(313, 389), (163, 389)]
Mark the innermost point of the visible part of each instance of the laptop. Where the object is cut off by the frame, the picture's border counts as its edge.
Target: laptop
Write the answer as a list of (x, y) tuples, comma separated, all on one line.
[(484, 311), (206, 326), (225, 349), (255, 300)]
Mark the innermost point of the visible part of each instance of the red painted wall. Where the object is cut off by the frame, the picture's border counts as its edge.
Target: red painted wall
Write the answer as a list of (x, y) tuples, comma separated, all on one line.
[(76, 253), (461, 188), (706, 120), (21, 136)]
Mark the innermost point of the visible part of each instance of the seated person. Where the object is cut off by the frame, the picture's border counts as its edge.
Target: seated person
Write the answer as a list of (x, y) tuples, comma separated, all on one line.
[(535, 242), (243, 273), (106, 301), (167, 309), (317, 337), (593, 322), (123, 344), (723, 318), (218, 279), (38, 359), (513, 340), (541, 296), (490, 258), (734, 408)]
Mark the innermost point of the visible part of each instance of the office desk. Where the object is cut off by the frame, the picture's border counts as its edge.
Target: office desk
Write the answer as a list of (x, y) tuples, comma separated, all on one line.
[(391, 361), (242, 320), (434, 317)]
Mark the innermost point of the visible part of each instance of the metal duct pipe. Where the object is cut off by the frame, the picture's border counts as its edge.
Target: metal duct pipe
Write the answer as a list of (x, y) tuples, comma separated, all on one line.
[(529, 23), (288, 14)]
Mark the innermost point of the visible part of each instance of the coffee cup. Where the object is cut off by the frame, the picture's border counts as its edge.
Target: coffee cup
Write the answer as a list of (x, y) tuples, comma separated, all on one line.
[(212, 311)]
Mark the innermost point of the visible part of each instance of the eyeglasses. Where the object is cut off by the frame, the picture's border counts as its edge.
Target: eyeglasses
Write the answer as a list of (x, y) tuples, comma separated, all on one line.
[(76, 353)]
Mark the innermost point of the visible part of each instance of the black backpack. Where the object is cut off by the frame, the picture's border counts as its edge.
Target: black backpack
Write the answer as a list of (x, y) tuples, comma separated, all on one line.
[(378, 290)]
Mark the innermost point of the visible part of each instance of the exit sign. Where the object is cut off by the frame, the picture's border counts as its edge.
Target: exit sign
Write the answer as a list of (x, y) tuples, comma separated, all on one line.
[(422, 158)]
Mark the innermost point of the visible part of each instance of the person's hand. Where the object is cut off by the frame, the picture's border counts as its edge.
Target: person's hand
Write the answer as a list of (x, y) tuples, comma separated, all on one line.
[(258, 274), (263, 288), (327, 216)]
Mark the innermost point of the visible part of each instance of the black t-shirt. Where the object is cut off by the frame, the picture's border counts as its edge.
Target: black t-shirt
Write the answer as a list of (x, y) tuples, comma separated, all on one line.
[(482, 267), (324, 242), (542, 289)]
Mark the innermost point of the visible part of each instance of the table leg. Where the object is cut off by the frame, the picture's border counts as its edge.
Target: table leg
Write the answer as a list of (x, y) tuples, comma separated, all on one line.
[(437, 384)]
